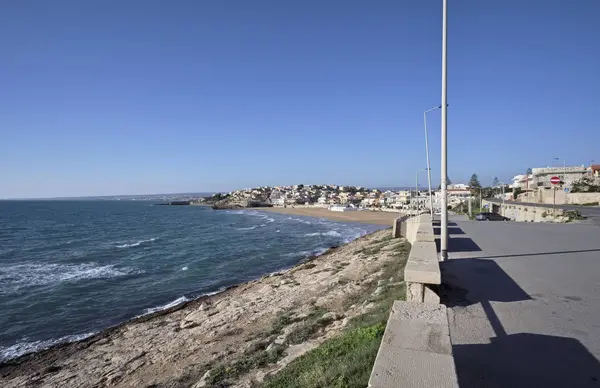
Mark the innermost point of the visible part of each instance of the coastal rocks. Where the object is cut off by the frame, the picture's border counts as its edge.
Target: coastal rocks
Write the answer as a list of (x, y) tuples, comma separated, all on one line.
[(203, 381), (331, 316), (239, 204), (210, 319), (191, 320)]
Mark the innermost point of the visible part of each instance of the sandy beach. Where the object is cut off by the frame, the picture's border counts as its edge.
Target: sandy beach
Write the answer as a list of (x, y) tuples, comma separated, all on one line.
[(235, 338), (366, 217)]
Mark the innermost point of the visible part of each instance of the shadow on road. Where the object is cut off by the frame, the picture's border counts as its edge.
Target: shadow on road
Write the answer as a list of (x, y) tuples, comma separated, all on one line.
[(451, 230), (459, 244), (515, 360), (437, 223), (537, 254), (526, 360), (455, 244)]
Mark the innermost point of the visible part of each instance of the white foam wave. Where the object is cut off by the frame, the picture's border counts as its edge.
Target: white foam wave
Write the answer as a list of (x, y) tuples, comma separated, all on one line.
[(300, 220), (18, 276), (184, 268), (174, 303), (249, 228), (331, 233), (314, 252), (137, 243), (21, 348), (253, 213), (177, 302)]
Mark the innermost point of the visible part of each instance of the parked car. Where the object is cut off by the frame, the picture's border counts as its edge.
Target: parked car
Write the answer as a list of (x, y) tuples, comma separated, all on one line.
[(490, 217)]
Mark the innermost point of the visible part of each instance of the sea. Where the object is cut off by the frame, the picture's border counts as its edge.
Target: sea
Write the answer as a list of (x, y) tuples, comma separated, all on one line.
[(69, 269)]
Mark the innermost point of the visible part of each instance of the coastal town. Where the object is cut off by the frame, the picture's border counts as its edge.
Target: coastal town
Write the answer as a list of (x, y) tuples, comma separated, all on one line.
[(578, 185)]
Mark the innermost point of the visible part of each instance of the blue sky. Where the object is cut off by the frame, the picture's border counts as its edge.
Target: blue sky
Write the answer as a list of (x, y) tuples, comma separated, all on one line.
[(125, 97)]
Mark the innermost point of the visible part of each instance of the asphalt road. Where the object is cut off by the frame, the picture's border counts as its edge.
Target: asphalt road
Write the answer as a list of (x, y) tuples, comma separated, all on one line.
[(524, 303)]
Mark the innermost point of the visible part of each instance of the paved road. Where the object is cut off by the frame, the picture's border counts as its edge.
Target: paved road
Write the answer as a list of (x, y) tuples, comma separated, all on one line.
[(591, 212), (525, 303)]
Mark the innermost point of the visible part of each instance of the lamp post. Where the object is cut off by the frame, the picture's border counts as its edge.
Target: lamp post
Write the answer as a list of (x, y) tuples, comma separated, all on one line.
[(417, 191), (427, 155), (444, 157)]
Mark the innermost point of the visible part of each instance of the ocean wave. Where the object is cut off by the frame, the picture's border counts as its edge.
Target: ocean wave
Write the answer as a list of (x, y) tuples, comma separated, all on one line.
[(21, 348), (177, 302), (314, 252), (137, 243), (184, 268), (252, 213), (300, 220), (174, 303), (19, 276), (331, 233), (249, 228)]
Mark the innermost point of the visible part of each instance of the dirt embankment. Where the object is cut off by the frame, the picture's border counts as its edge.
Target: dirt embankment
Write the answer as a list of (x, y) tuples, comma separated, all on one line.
[(235, 338)]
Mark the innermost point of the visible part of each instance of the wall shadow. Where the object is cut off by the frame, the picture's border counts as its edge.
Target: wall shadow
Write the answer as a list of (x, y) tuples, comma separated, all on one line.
[(459, 244), (451, 230), (439, 223), (471, 281), (526, 360), (516, 360), (537, 254)]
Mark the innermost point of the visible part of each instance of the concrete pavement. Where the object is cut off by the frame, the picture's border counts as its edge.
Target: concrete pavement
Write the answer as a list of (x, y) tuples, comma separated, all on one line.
[(524, 303)]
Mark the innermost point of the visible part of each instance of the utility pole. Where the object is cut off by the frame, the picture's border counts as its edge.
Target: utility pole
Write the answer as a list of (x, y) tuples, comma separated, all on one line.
[(417, 194), (427, 155), (444, 172)]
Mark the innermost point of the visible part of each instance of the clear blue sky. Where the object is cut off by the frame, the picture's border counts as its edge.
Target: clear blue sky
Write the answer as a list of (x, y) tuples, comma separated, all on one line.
[(137, 96)]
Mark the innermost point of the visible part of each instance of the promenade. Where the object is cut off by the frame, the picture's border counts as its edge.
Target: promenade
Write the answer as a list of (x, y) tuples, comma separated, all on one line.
[(523, 303)]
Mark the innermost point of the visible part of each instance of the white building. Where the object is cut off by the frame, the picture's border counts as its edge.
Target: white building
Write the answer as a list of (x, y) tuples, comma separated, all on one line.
[(568, 175), (522, 181), (460, 186), (342, 208)]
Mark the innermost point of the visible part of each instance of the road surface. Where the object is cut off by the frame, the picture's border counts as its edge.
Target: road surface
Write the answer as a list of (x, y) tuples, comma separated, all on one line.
[(524, 303)]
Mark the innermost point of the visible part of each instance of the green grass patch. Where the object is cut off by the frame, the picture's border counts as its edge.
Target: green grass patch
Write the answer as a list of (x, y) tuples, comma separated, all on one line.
[(346, 360), (280, 322), (382, 306), (224, 373), (309, 326), (342, 362)]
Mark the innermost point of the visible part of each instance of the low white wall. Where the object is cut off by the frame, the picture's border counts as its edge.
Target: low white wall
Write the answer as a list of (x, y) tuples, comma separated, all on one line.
[(562, 198), (422, 269)]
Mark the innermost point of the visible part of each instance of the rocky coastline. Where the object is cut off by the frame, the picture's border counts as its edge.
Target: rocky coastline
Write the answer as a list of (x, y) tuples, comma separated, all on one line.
[(204, 342), (230, 203)]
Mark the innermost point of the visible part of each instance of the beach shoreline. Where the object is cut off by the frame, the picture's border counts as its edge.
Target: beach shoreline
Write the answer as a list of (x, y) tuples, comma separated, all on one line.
[(167, 343), (359, 216)]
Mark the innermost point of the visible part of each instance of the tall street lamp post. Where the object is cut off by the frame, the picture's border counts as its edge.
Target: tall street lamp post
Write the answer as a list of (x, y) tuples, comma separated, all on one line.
[(444, 169), (427, 155)]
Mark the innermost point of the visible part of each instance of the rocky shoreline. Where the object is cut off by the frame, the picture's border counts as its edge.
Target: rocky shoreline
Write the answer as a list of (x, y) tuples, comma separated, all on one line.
[(274, 320)]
